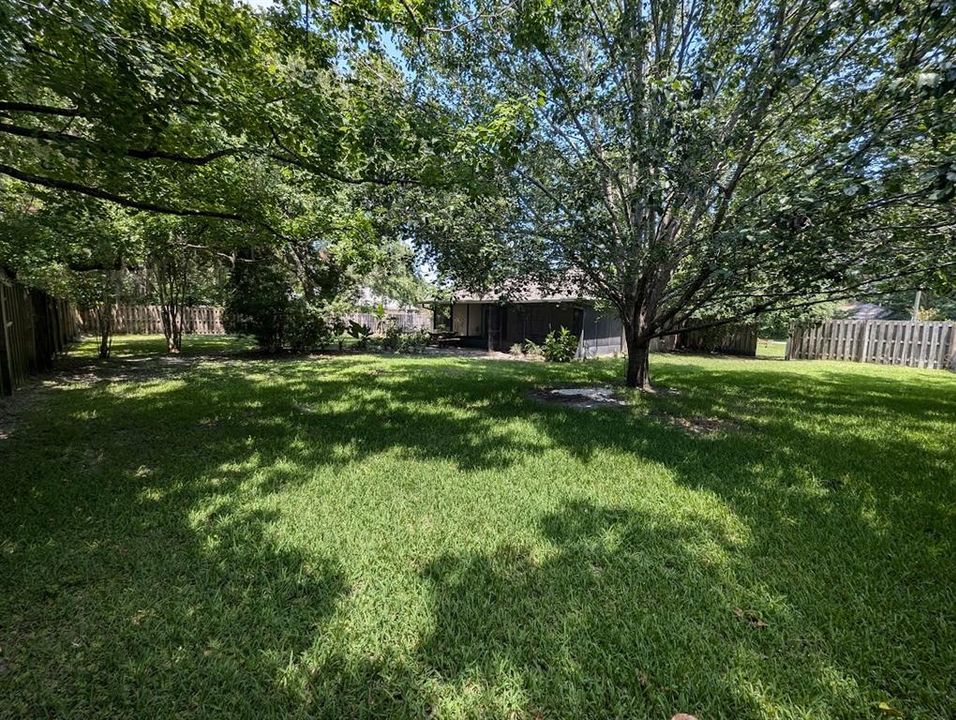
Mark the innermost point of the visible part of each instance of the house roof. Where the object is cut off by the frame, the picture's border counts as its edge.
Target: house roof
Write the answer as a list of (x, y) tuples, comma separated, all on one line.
[(865, 311), (529, 293)]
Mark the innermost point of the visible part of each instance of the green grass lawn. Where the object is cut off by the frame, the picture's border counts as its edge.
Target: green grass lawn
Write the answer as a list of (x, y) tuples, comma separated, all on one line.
[(371, 536), (771, 348)]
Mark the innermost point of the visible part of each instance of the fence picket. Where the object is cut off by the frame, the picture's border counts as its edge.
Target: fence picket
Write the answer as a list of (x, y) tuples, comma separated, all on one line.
[(886, 342), (207, 320)]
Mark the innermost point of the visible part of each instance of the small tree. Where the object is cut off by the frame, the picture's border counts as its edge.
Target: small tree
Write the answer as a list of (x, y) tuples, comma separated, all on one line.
[(284, 299), (100, 291), (173, 269), (258, 299)]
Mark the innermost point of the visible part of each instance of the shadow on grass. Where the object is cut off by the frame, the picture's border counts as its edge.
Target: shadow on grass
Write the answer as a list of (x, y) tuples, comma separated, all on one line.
[(134, 569), (135, 580)]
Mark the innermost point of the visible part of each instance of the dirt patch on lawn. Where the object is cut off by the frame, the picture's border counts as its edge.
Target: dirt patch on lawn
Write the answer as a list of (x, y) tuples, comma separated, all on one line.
[(585, 398), (697, 424), (13, 407)]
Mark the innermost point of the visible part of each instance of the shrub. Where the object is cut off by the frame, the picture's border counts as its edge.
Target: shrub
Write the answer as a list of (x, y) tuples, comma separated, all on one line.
[(360, 332), (258, 301), (338, 329), (305, 327), (559, 346), (413, 341), (532, 349), (391, 334), (400, 340)]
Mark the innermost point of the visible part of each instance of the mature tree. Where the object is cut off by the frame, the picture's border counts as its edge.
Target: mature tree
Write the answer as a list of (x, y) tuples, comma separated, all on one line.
[(693, 162), (72, 246), (159, 105), (220, 131)]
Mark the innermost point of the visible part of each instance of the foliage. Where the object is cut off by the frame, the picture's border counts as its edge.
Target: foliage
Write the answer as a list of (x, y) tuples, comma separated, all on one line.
[(678, 164), (263, 131), (360, 332), (413, 341), (400, 340), (559, 346), (776, 324), (306, 327), (182, 107), (391, 333), (420, 535), (260, 301), (940, 304)]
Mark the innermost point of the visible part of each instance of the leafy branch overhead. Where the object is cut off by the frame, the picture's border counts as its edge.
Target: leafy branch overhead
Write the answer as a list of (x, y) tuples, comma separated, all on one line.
[(685, 162), (696, 162), (175, 107)]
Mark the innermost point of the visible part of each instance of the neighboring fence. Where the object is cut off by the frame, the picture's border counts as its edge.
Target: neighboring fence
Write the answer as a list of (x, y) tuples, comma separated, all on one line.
[(207, 320), (729, 340), (146, 320), (888, 342), (34, 328), (407, 320)]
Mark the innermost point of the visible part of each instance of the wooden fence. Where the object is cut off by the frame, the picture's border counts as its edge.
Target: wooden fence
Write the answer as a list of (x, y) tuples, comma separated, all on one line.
[(207, 320), (34, 328), (146, 320), (888, 342), (729, 340), (406, 320)]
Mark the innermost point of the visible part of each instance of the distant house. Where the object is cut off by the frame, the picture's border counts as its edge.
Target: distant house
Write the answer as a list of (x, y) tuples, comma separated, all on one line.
[(493, 324), (368, 298), (867, 311)]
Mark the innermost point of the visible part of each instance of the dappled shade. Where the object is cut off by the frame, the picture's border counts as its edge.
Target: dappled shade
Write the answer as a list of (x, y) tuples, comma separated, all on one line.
[(374, 536)]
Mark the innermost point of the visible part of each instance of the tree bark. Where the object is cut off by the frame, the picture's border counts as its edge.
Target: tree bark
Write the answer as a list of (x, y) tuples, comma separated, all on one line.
[(638, 352), (171, 272), (104, 316)]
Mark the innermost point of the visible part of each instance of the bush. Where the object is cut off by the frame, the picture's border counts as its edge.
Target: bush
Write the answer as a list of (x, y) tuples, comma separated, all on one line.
[(559, 346), (413, 341), (306, 328), (532, 349), (266, 300), (527, 349), (391, 334), (360, 332), (399, 340), (258, 301)]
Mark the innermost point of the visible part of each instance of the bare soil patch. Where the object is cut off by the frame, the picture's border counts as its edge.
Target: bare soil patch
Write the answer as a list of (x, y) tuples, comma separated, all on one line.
[(697, 424), (586, 398)]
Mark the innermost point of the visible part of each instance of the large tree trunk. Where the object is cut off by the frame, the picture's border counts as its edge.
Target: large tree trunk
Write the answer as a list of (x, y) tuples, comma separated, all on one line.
[(638, 351), (638, 328)]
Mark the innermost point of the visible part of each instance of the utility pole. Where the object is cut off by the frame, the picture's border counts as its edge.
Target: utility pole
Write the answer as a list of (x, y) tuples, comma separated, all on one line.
[(919, 294)]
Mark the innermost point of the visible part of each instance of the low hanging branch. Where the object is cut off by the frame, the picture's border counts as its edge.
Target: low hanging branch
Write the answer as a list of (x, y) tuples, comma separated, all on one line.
[(100, 194)]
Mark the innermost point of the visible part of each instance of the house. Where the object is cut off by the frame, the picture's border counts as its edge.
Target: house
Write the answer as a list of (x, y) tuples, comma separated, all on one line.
[(867, 311), (488, 323)]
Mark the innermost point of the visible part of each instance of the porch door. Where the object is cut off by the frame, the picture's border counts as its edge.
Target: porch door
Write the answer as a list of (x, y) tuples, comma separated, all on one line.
[(493, 326)]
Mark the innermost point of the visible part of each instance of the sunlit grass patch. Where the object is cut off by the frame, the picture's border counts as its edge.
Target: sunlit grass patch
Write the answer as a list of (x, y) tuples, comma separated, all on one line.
[(383, 536)]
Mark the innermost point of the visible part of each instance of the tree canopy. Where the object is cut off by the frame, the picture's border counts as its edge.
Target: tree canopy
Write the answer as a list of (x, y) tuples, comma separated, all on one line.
[(245, 129), (686, 162), (694, 162)]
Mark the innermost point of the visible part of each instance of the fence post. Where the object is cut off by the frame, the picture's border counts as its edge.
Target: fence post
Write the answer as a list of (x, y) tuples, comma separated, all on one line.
[(951, 360), (865, 353), (6, 359)]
